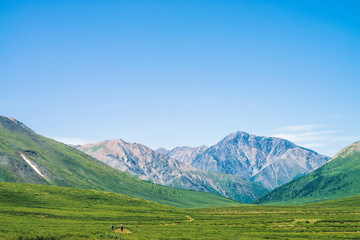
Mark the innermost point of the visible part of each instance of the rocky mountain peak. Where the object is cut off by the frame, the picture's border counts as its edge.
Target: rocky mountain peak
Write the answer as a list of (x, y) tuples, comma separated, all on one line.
[(267, 160), (236, 136)]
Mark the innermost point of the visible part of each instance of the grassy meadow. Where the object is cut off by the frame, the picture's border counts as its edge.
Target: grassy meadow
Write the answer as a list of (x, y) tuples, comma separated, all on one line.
[(30, 211)]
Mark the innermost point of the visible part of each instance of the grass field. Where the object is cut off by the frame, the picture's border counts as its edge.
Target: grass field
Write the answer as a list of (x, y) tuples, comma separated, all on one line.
[(47, 212)]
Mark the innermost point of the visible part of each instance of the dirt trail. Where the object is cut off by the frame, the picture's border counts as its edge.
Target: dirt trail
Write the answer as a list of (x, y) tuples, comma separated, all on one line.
[(190, 219), (124, 230)]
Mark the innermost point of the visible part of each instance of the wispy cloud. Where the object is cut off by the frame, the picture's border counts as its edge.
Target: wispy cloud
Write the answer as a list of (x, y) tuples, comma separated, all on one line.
[(319, 137), (305, 136)]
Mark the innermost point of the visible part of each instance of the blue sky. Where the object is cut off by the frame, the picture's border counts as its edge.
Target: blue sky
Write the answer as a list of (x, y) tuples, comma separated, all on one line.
[(173, 73)]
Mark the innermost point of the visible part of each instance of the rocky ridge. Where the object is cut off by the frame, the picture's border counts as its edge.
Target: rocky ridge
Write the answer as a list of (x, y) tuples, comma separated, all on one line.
[(150, 165)]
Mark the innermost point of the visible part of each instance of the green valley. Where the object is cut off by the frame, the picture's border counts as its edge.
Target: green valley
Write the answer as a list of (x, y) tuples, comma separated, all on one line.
[(49, 190)]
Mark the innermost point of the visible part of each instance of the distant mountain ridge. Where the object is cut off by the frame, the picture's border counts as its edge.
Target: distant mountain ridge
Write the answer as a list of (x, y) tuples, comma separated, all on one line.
[(147, 164), (338, 178), (267, 160)]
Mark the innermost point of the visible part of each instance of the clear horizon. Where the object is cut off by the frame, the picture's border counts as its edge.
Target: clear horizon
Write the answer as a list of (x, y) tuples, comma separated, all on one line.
[(175, 73)]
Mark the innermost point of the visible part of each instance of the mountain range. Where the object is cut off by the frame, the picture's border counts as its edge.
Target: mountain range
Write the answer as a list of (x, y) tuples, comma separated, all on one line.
[(241, 166), (269, 161), (147, 164)]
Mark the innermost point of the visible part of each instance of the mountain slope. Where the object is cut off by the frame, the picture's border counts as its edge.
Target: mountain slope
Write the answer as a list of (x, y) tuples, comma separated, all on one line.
[(338, 178), (266, 160), (163, 151), (27, 157), (148, 164)]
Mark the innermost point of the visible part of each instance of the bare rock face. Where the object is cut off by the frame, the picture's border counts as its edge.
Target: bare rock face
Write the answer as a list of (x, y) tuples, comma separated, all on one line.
[(266, 160), (136, 159), (151, 165), (186, 154)]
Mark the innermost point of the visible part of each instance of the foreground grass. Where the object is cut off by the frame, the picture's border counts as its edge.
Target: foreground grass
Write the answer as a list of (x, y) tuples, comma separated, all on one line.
[(46, 212)]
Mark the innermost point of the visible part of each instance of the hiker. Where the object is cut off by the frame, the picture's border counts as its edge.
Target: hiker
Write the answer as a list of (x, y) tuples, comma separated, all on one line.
[(122, 228), (112, 227)]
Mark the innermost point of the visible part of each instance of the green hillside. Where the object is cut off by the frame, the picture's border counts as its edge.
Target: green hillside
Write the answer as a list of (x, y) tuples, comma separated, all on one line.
[(39, 212), (338, 178), (62, 165)]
